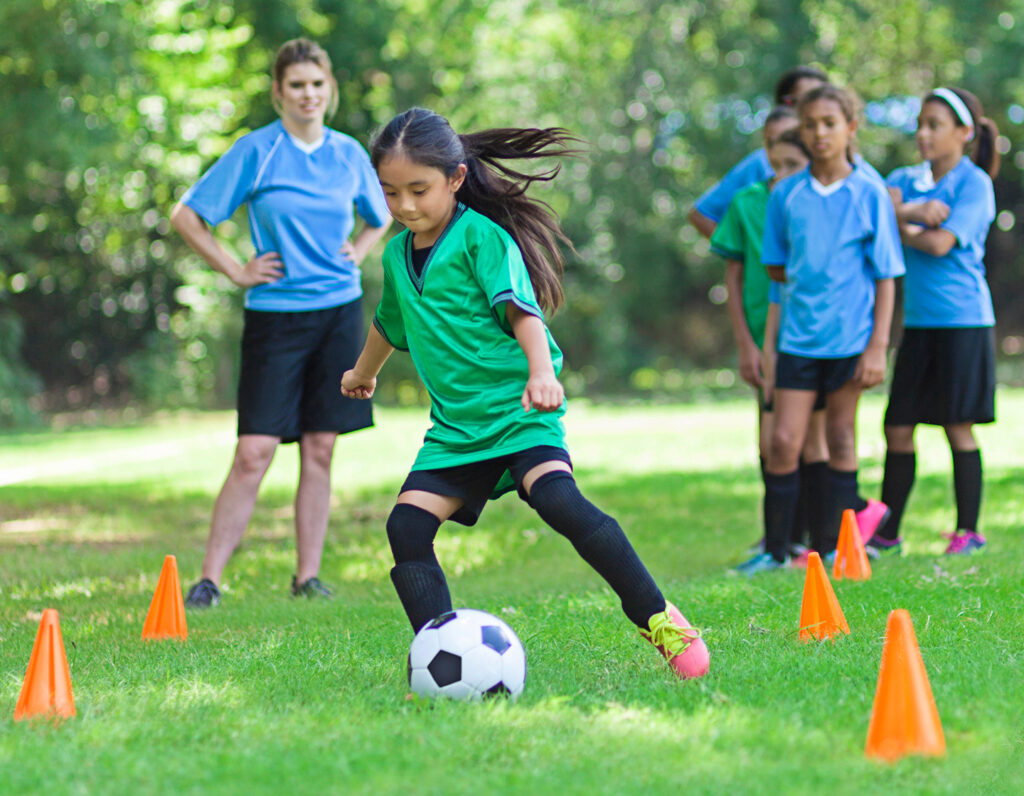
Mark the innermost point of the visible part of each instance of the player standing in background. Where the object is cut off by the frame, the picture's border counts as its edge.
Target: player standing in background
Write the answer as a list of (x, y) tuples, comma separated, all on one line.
[(303, 316), (945, 367), (831, 237)]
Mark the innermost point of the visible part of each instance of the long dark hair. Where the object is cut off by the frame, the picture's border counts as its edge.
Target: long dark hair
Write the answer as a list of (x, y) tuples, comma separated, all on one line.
[(787, 82), (491, 187), (984, 154)]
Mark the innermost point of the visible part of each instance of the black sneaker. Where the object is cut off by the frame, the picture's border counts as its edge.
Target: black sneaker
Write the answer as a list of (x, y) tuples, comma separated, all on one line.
[(204, 594), (311, 588)]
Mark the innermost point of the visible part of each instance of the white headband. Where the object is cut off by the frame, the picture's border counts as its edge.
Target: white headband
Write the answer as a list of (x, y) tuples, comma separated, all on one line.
[(958, 106)]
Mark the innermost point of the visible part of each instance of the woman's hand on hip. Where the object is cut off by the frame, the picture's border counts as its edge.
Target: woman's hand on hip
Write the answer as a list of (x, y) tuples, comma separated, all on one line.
[(260, 270)]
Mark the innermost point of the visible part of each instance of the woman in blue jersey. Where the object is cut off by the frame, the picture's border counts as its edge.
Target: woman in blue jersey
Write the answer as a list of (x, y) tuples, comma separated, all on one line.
[(945, 368), (303, 320), (465, 290), (709, 209), (831, 238)]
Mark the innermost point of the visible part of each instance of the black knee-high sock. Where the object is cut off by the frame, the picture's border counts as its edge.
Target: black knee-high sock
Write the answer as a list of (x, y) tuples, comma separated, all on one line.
[(781, 494), (814, 494), (764, 517), (600, 541), (417, 575), (799, 530), (842, 496), (817, 489), (967, 486), (898, 480)]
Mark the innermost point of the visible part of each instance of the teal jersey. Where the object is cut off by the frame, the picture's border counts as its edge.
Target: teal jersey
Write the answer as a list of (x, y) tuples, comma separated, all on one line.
[(451, 320), (739, 237)]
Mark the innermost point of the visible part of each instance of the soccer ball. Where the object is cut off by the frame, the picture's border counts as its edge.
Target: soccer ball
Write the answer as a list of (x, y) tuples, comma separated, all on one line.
[(466, 654)]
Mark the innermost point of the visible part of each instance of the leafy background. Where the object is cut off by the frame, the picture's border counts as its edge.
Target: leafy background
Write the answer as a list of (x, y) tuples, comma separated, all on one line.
[(115, 107)]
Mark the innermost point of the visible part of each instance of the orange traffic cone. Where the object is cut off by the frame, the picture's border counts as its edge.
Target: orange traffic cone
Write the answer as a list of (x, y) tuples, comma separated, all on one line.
[(904, 719), (46, 690), (166, 617), (851, 558), (820, 614)]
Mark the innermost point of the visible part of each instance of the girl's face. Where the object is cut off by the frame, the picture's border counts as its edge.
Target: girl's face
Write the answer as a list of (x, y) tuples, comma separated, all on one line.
[(825, 130), (420, 197), (303, 93), (938, 135), (786, 159)]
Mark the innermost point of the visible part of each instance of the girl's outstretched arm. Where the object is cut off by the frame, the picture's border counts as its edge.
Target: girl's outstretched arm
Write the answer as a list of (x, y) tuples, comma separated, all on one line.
[(871, 366), (361, 381), (543, 390)]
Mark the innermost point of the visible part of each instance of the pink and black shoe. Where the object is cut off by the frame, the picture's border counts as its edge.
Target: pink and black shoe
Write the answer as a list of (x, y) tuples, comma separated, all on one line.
[(872, 518), (681, 644), (964, 543)]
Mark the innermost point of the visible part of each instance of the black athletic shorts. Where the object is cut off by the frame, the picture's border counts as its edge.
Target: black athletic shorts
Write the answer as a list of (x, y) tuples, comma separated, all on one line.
[(475, 483), (943, 377), (793, 372), (290, 380)]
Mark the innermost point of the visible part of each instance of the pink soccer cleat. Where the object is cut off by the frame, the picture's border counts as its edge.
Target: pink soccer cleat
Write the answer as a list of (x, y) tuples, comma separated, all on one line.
[(680, 643), (872, 518)]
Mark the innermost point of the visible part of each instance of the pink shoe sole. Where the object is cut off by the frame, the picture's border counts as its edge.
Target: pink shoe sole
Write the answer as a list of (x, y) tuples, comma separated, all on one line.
[(695, 660), (870, 519)]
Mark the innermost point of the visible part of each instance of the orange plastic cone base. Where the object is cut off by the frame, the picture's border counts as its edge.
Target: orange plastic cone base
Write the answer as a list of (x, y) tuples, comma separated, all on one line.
[(166, 617), (851, 557), (904, 719), (820, 614), (46, 690)]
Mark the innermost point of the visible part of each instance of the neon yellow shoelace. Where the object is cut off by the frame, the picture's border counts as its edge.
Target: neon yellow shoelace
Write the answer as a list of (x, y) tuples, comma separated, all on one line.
[(670, 636)]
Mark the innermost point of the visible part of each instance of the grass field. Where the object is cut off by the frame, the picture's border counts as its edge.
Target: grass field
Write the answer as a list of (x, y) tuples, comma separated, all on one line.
[(274, 695)]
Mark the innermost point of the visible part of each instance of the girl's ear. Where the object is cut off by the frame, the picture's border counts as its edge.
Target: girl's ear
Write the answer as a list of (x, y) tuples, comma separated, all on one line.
[(459, 177), (853, 126)]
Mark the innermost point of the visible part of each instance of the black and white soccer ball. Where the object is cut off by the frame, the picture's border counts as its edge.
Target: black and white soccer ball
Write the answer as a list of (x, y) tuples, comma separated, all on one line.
[(466, 654)]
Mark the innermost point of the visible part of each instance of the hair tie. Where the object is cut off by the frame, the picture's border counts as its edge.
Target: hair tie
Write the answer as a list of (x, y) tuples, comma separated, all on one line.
[(959, 107)]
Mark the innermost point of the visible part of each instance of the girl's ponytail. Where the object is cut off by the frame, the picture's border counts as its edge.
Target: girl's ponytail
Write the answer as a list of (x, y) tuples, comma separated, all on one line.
[(491, 187), (986, 153), (498, 191)]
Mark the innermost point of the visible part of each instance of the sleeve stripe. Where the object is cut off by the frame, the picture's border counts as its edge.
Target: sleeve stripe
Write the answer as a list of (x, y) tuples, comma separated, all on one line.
[(379, 328)]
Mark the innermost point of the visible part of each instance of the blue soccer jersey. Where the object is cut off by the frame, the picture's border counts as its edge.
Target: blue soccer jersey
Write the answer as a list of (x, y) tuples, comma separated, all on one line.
[(949, 291), (835, 242), (300, 201), (716, 200)]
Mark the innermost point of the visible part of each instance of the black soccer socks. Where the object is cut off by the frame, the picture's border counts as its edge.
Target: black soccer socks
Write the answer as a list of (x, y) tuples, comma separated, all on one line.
[(967, 487), (898, 480), (600, 541)]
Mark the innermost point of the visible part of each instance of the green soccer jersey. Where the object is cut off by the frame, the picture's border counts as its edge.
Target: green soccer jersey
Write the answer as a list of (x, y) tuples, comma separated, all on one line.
[(739, 237), (451, 320)]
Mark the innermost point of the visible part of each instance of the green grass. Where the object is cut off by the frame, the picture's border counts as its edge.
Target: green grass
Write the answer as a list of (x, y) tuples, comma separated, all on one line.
[(271, 695)]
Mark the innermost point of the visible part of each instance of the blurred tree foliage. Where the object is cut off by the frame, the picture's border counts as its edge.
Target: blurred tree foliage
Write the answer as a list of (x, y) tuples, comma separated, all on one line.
[(115, 107)]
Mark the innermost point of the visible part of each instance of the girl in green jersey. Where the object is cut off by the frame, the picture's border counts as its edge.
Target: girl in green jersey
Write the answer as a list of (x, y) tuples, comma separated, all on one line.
[(465, 290)]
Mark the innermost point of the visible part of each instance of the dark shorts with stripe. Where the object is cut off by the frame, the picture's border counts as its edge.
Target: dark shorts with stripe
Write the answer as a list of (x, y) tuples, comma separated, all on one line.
[(794, 372), (944, 377), (475, 483), (290, 381)]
